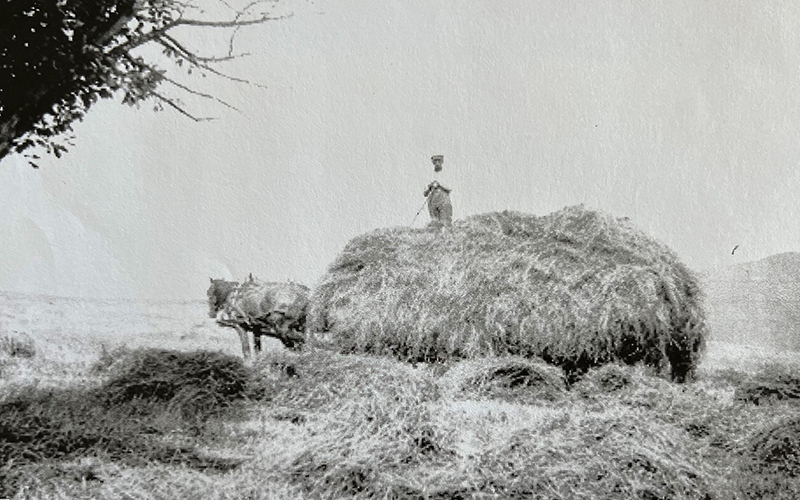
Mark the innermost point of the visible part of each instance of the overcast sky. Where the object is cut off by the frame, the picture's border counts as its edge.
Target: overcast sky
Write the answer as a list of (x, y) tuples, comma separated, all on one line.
[(681, 115)]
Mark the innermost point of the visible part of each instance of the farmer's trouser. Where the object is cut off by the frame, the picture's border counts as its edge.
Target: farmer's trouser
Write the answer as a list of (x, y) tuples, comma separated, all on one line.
[(439, 206)]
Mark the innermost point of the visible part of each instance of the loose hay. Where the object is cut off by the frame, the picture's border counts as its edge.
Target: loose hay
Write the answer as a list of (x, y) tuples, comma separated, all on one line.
[(597, 457), (108, 358), (606, 379), (361, 443), (771, 465), (513, 379), (777, 449), (365, 418), (17, 345), (315, 379), (149, 394), (576, 288), (775, 383), (197, 383)]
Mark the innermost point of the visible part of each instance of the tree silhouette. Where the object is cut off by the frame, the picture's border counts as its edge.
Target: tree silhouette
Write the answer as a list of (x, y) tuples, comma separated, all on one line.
[(59, 57)]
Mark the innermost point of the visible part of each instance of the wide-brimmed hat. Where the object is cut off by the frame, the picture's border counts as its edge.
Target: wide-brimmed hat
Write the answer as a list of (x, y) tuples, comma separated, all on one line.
[(437, 157)]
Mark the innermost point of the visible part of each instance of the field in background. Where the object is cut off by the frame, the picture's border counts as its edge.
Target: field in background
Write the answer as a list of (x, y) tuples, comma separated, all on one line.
[(73, 332), (324, 426), (745, 358)]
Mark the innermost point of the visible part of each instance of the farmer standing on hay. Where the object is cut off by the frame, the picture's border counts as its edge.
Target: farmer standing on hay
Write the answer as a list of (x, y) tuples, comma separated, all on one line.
[(438, 196)]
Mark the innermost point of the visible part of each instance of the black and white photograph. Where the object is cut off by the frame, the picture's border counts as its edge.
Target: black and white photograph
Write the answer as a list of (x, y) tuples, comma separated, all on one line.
[(401, 250)]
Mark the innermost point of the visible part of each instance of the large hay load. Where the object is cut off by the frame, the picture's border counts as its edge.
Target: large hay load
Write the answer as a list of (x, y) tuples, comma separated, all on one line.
[(577, 288)]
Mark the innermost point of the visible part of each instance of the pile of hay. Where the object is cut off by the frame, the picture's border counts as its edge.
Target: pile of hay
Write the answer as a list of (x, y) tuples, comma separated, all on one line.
[(507, 378), (366, 419), (607, 379), (316, 379), (16, 344), (577, 288), (774, 383), (598, 456), (771, 464), (149, 394), (197, 383)]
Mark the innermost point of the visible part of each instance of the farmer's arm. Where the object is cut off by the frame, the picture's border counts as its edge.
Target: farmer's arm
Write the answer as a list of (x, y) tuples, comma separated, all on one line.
[(430, 187)]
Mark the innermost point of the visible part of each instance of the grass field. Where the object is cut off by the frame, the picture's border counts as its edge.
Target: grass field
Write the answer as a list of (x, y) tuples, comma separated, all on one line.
[(105, 399)]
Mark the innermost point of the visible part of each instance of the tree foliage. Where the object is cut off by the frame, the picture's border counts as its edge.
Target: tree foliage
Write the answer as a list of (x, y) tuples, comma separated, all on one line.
[(59, 57)]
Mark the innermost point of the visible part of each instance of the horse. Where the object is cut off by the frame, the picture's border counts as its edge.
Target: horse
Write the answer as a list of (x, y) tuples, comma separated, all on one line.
[(263, 308)]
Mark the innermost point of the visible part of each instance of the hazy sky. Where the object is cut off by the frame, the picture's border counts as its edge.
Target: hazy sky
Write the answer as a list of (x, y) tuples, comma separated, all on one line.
[(682, 115)]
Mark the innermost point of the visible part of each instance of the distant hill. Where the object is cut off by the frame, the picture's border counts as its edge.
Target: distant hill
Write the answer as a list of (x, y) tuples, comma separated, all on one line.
[(756, 303)]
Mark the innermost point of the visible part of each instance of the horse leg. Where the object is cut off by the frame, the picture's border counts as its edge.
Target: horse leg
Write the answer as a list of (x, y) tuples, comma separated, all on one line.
[(244, 339), (257, 339)]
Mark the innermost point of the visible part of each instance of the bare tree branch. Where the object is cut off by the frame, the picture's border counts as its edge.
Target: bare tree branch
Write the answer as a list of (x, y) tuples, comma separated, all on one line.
[(226, 4), (154, 34), (179, 109), (239, 14), (178, 47), (226, 76), (230, 41), (229, 24), (200, 63), (144, 66), (135, 42), (201, 94), (247, 7)]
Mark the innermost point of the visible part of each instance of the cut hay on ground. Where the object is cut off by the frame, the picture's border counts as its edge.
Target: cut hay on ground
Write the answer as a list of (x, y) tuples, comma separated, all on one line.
[(367, 418), (15, 344), (771, 384), (316, 379), (576, 288), (771, 465), (597, 457), (509, 378), (149, 394), (606, 379), (197, 383)]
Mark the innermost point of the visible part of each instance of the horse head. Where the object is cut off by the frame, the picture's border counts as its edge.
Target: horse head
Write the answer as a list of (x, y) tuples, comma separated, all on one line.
[(218, 293)]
